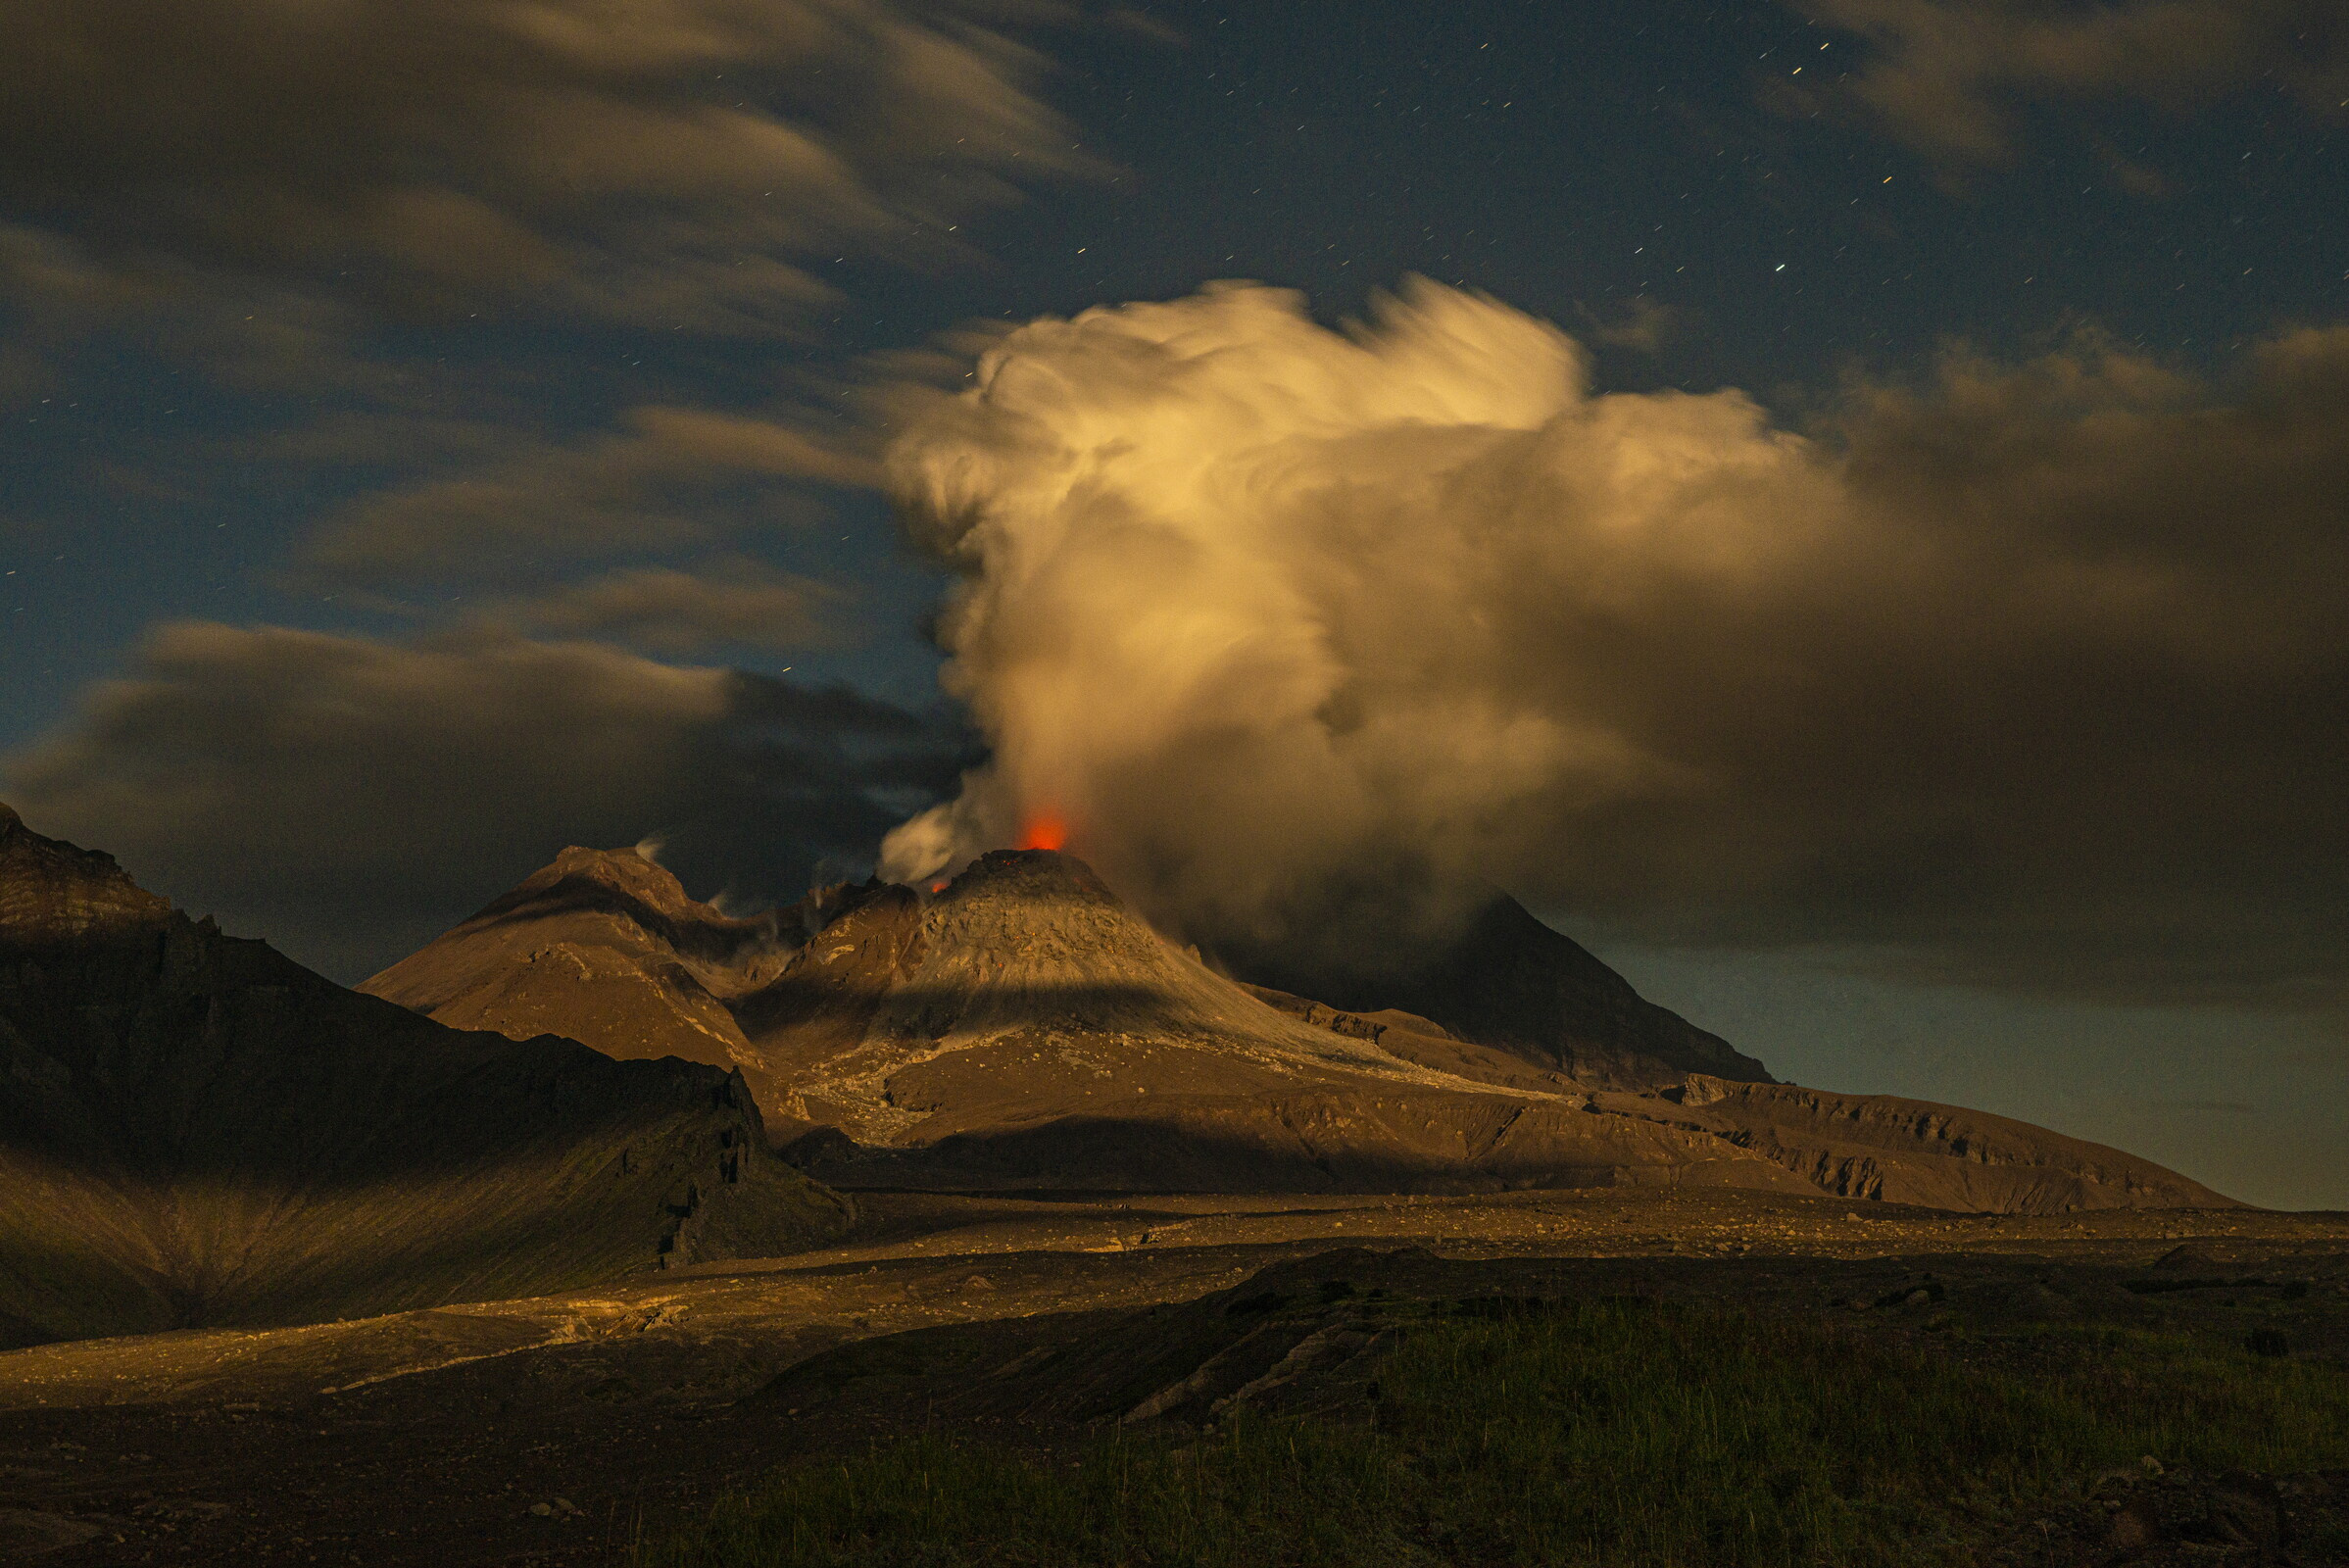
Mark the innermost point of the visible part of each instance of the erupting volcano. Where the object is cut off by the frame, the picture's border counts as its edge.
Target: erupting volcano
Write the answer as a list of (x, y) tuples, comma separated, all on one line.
[(1021, 1027)]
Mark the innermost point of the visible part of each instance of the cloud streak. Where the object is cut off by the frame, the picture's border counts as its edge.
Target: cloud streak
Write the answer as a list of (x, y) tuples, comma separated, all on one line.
[(350, 798), (673, 478), (2020, 674), (1953, 79), (724, 604), (656, 163)]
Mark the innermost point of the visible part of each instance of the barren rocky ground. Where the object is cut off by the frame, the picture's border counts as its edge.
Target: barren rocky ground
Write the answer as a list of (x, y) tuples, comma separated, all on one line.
[(548, 1431)]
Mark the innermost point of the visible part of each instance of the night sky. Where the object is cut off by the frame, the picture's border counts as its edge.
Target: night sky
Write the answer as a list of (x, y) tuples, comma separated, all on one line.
[(439, 435)]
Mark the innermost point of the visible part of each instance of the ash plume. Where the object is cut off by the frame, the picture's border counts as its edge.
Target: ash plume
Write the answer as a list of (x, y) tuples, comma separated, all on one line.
[(2015, 673)]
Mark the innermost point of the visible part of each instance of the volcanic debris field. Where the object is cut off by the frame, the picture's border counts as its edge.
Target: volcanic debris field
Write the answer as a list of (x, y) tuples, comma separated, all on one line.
[(1054, 1334)]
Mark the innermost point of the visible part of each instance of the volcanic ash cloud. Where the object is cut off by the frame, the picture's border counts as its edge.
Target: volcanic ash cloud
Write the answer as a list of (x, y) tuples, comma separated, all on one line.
[(1258, 606), (1286, 622)]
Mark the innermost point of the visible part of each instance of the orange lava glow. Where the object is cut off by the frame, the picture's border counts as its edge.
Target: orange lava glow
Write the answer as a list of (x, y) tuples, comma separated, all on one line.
[(1045, 830)]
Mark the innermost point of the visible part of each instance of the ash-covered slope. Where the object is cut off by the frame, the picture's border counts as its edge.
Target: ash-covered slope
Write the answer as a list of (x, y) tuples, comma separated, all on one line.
[(1509, 982), (606, 947), (1879, 1147), (1937, 1156), (1021, 1028), (1025, 977), (196, 1129), (1024, 1026)]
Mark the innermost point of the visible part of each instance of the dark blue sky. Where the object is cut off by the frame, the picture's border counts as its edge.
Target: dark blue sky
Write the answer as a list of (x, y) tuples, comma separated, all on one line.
[(1568, 160), (234, 328)]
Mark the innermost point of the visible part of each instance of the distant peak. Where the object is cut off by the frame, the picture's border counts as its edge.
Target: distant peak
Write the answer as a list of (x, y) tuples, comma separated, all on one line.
[(631, 860)]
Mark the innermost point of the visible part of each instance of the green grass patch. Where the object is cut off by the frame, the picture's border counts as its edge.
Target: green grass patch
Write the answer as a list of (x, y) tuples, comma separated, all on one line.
[(1597, 1433)]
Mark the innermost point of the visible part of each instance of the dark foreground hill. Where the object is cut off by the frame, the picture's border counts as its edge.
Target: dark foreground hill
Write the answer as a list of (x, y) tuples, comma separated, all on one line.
[(196, 1129), (1021, 1028)]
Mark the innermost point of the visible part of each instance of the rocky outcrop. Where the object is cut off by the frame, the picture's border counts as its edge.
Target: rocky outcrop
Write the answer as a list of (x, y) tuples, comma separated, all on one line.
[(195, 1130), (1874, 1147), (52, 893)]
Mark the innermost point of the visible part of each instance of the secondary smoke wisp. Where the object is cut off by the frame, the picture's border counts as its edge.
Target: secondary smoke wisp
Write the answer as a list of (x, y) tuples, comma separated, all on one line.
[(2018, 670)]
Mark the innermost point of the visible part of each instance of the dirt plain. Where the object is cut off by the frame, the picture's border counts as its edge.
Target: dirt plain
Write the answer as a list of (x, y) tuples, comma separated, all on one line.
[(548, 1431)]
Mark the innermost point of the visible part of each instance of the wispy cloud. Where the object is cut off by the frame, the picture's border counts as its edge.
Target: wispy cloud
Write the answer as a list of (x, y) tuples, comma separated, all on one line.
[(1955, 78), (669, 478), (659, 163)]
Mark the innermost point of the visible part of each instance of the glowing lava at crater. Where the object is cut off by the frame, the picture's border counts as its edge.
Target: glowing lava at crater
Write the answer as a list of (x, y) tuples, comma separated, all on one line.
[(1045, 830)]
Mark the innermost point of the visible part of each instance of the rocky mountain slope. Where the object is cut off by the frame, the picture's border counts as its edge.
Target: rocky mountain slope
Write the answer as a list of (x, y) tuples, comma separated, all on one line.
[(196, 1129), (1021, 1028), (1508, 981)]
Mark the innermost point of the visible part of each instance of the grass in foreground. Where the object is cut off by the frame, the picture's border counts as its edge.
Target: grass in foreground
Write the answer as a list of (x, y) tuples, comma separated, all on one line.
[(1598, 1434)]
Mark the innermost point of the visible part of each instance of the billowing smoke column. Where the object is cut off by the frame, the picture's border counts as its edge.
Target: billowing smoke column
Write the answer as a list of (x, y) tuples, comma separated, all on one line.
[(1265, 612), (1289, 630)]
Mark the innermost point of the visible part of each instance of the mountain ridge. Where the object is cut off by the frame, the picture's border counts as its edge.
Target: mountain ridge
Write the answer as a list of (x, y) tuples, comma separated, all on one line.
[(195, 1129), (1018, 1026)]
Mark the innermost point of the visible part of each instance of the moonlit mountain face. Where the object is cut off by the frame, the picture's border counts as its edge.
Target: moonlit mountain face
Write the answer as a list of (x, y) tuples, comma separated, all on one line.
[(1020, 1026), (603, 947)]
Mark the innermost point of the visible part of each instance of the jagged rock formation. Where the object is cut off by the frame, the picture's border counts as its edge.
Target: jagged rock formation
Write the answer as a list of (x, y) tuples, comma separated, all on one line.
[(1021, 1028), (1511, 983), (196, 1129), (53, 894)]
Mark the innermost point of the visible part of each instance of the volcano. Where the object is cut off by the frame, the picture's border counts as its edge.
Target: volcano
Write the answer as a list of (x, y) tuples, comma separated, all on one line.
[(195, 1130), (1021, 1028)]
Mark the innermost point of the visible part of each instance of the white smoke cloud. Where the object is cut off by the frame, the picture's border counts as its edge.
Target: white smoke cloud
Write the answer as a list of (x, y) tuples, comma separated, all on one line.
[(1282, 619), (1247, 597)]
